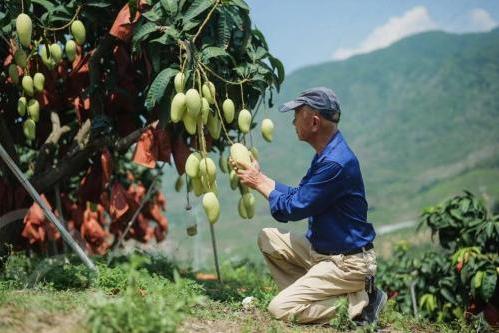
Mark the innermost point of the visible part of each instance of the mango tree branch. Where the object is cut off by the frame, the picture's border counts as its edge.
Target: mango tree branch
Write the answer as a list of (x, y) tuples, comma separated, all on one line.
[(78, 161)]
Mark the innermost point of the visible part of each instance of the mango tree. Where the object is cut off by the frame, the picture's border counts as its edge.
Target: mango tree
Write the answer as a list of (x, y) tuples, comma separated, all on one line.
[(97, 96)]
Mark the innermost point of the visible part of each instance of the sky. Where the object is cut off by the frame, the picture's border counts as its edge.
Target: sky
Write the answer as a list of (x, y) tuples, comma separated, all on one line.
[(305, 32)]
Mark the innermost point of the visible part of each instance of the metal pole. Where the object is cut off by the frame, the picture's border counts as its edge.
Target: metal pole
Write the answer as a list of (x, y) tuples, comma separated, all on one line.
[(48, 213), (215, 254), (58, 206)]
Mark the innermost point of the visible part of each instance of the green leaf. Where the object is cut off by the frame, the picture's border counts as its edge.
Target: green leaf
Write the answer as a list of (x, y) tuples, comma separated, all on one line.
[(277, 64), (170, 6), (98, 4), (213, 52), (223, 28), (158, 87), (153, 15), (197, 7), (45, 4), (241, 4), (169, 36), (143, 31), (488, 287)]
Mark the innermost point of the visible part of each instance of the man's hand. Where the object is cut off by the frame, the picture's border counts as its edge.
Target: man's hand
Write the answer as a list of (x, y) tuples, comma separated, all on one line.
[(252, 176)]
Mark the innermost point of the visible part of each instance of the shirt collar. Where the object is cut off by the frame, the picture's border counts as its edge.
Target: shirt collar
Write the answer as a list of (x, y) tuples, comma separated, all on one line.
[(333, 142)]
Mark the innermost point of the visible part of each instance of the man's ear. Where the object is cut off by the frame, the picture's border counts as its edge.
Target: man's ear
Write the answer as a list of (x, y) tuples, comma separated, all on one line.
[(316, 122)]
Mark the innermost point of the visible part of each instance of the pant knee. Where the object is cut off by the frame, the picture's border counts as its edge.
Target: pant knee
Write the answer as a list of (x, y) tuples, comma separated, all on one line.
[(276, 309), (264, 239)]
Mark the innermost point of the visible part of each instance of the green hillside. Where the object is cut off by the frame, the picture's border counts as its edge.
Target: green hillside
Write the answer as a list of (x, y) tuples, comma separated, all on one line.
[(422, 116)]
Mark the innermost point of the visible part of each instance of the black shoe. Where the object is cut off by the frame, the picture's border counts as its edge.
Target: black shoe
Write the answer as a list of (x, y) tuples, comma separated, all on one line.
[(377, 301)]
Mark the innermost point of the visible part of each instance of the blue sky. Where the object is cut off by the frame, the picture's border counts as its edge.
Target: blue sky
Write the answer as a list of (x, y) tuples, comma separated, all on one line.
[(301, 32)]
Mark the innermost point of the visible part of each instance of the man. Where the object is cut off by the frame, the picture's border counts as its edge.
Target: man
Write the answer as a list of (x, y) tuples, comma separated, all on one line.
[(336, 257)]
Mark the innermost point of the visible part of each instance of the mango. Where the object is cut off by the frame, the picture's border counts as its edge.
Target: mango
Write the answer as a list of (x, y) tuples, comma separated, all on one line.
[(46, 58), (240, 153), (39, 82), (211, 207), (242, 209), (229, 110), (244, 121), (21, 106), (189, 123), (192, 164), (13, 73), (179, 183), (55, 52), (179, 82), (178, 107), (207, 168), (70, 49), (214, 126), (34, 109), (234, 179), (222, 162), (205, 110), (267, 129), (193, 101), (24, 29), (21, 58), (197, 186), (29, 129), (28, 86), (78, 31), (208, 90), (249, 204), (254, 152)]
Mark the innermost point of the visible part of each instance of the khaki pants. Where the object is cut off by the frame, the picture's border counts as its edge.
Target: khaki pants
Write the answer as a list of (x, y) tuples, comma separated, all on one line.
[(310, 283)]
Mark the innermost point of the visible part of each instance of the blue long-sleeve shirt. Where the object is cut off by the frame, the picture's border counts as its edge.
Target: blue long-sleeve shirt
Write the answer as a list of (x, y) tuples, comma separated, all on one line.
[(332, 197)]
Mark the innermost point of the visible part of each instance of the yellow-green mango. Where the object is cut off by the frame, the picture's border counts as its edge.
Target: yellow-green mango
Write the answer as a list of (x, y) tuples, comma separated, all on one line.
[(192, 164), (189, 123), (33, 109), (214, 126), (21, 106), (244, 121), (24, 29), (211, 207), (267, 129), (178, 107), (39, 82), (193, 101), (240, 153), (179, 82), (208, 90), (78, 31), (27, 83), (29, 129), (70, 49), (207, 168), (229, 110)]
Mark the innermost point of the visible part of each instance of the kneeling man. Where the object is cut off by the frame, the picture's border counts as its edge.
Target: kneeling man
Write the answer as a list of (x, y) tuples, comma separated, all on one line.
[(335, 258)]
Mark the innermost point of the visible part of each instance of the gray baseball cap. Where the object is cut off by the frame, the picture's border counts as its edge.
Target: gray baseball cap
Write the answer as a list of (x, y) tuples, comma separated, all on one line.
[(322, 99)]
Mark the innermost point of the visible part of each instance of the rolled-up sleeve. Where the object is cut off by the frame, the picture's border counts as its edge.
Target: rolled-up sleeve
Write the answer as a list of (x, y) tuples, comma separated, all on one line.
[(310, 198)]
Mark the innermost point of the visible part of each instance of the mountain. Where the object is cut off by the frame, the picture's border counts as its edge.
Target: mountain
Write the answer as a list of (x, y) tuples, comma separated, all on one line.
[(422, 116), (420, 113)]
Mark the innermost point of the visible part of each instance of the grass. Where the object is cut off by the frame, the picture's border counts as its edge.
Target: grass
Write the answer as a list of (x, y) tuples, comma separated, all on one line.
[(147, 293)]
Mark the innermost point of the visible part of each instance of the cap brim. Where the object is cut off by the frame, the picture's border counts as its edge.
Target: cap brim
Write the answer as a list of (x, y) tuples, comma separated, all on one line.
[(291, 105)]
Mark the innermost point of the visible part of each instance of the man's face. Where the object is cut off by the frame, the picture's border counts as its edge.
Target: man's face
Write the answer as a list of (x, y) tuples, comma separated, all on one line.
[(303, 122)]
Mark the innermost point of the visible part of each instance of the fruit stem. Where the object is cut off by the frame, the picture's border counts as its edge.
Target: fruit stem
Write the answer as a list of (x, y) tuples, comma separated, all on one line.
[(205, 21), (67, 24)]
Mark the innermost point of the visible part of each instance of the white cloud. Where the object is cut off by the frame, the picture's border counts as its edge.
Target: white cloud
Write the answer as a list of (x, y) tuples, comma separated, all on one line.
[(480, 20), (413, 21)]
